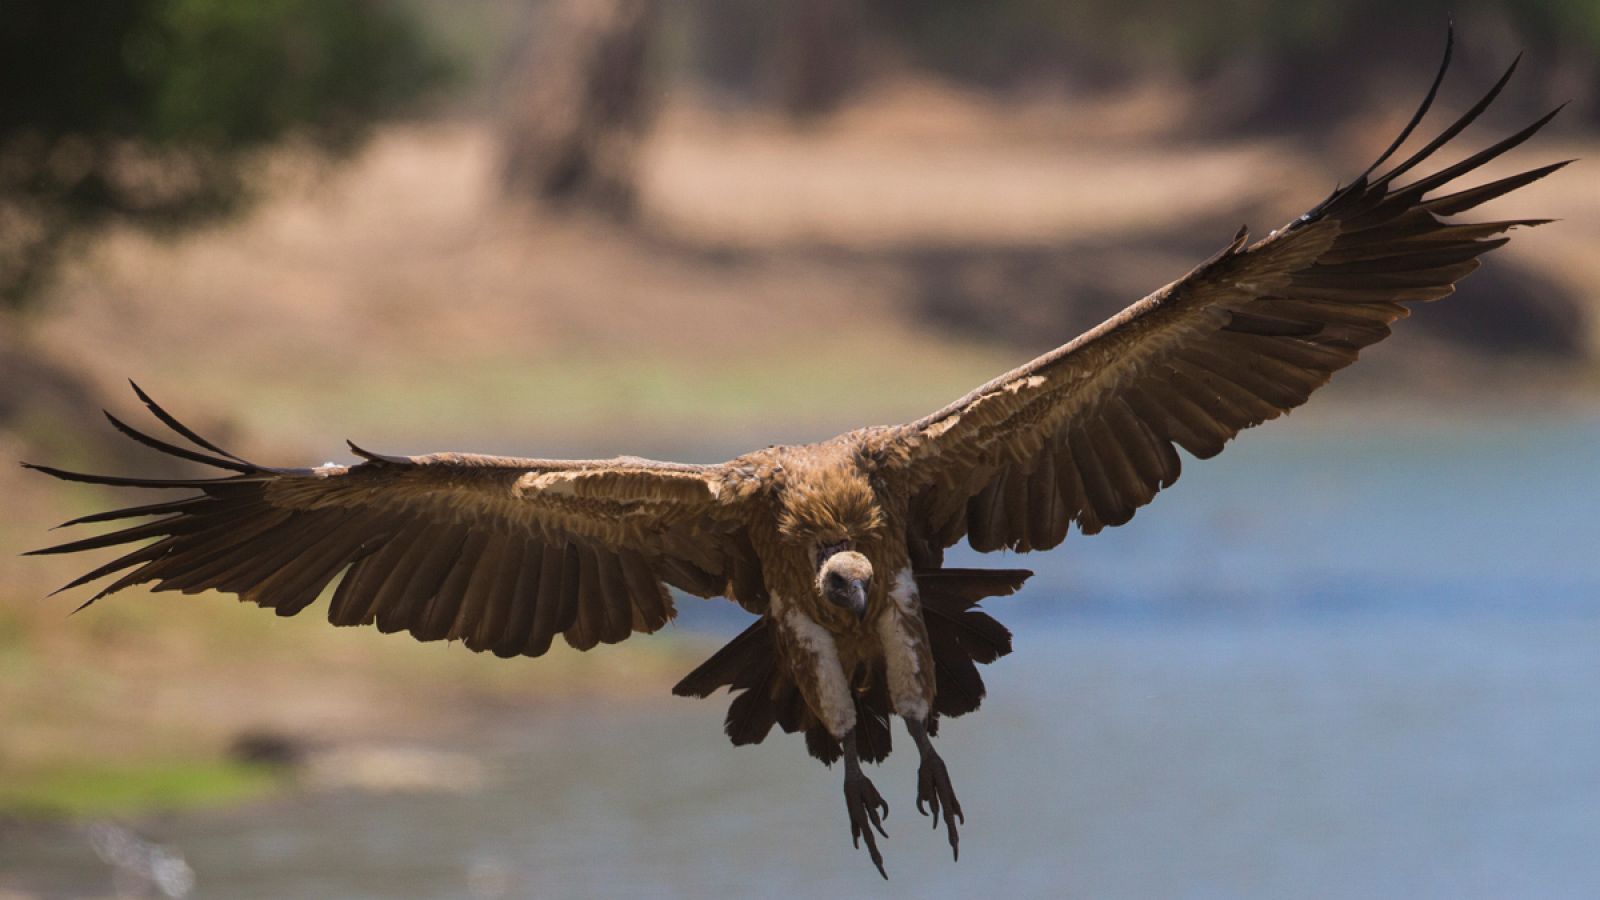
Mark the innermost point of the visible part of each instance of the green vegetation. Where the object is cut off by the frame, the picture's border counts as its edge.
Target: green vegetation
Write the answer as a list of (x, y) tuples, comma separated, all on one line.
[(140, 110), (107, 788), (581, 397)]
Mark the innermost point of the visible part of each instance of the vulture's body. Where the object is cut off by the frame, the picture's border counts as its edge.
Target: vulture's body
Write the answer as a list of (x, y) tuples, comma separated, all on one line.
[(837, 547)]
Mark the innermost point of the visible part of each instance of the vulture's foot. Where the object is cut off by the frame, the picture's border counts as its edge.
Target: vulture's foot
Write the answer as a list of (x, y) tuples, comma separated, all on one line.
[(864, 803), (933, 788), (934, 791)]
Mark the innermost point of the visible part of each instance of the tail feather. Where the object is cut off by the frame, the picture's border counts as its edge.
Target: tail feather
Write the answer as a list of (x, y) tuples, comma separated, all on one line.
[(752, 714), (740, 664), (961, 637)]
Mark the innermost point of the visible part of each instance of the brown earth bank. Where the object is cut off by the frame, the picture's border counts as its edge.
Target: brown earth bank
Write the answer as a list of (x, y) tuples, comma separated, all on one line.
[(782, 285)]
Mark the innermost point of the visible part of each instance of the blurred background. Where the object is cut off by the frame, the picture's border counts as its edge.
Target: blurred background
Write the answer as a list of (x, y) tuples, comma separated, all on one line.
[(1355, 656)]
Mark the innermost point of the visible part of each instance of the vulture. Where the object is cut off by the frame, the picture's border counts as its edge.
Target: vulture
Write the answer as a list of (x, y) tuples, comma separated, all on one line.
[(837, 547)]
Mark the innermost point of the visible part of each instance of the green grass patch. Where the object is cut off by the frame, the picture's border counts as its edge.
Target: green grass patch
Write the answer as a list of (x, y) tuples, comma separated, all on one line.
[(81, 790), (562, 400)]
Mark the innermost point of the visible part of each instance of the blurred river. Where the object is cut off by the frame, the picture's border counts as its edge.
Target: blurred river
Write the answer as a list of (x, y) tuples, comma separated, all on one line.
[(1325, 664)]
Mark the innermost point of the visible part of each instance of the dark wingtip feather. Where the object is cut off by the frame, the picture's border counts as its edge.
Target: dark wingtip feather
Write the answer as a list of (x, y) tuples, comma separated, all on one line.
[(172, 449), (120, 481), (87, 603), (141, 555), (130, 512), (171, 422), (1422, 110), (1444, 176), (1470, 198), (1455, 127)]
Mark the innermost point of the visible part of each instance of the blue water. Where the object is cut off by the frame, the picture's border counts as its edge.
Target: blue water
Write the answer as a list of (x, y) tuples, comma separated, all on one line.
[(1325, 664)]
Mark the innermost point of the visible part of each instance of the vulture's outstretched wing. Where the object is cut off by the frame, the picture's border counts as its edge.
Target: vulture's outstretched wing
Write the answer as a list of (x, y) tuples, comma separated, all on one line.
[(1086, 433), (502, 554)]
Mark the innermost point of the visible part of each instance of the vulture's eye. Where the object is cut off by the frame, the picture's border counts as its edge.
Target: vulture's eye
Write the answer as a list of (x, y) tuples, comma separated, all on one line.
[(835, 581)]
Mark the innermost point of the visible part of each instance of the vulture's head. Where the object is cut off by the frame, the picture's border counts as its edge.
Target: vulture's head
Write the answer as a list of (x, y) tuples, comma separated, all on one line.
[(832, 517), (844, 578)]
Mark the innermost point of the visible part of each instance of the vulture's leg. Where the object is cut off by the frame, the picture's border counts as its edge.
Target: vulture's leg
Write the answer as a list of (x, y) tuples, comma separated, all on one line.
[(814, 660), (933, 786), (863, 802), (908, 659)]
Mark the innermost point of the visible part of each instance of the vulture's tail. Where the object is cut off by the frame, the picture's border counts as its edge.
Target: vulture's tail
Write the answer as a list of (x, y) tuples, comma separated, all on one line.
[(961, 635)]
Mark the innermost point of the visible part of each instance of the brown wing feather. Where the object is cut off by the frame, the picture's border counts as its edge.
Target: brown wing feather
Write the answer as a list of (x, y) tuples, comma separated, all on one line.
[(1086, 433), (500, 553)]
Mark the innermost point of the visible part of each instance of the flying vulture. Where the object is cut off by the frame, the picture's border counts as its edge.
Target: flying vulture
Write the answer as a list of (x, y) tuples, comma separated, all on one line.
[(835, 547)]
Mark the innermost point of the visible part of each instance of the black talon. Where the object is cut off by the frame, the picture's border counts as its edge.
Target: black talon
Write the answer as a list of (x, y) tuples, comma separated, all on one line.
[(934, 789), (863, 802)]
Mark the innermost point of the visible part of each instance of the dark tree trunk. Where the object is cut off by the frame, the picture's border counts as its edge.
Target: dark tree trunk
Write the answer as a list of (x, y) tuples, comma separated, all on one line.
[(819, 56), (579, 105)]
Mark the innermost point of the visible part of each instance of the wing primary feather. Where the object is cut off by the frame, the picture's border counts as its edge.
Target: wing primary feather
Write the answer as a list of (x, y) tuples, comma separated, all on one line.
[(128, 580), (171, 422), (1416, 189), (1454, 129), (302, 583), (1271, 326), (159, 528), (173, 449), (1250, 405), (217, 559), (1422, 110), (247, 574), (304, 552), (1425, 262), (1237, 371), (143, 554), (122, 481), (187, 504), (1465, 200)]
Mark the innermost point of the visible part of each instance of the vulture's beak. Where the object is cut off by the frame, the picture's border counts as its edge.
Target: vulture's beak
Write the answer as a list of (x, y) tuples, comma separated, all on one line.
[(856, 598), (845, 580)]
